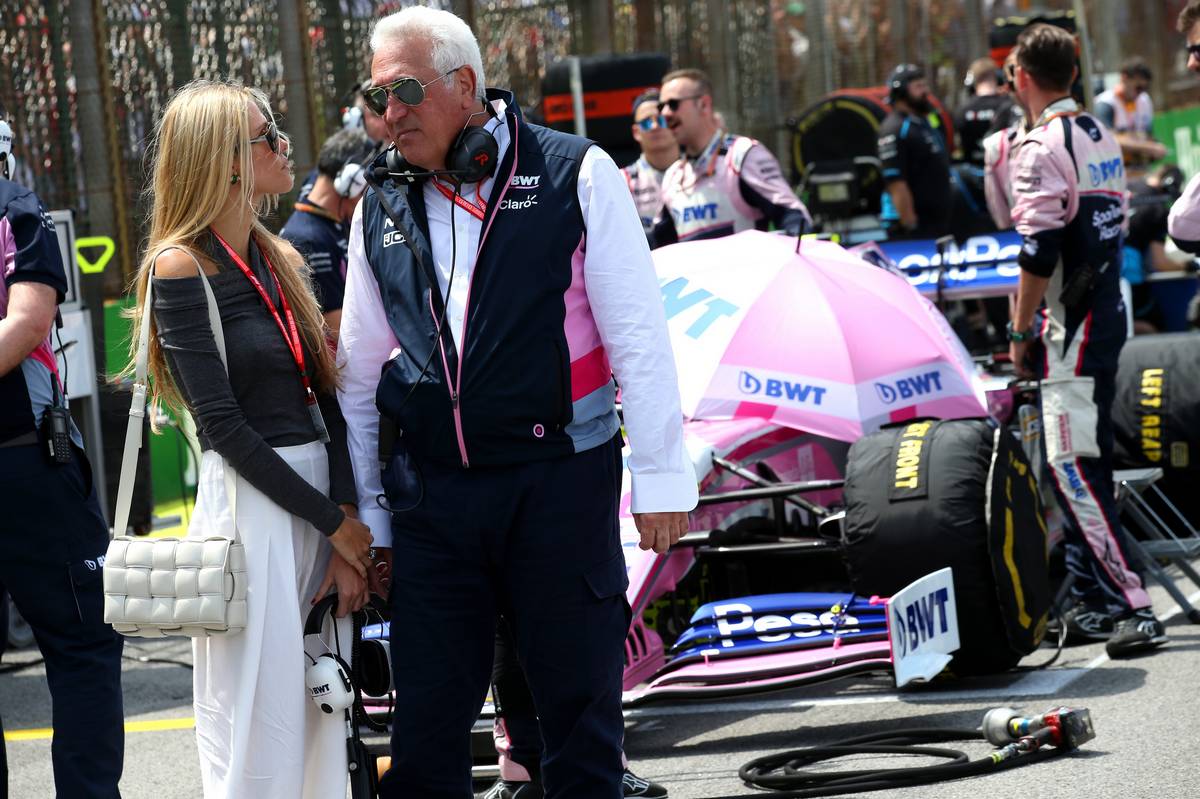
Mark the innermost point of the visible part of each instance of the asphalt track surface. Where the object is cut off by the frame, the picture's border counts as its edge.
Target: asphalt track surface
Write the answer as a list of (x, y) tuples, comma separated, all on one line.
[(1145, 710)]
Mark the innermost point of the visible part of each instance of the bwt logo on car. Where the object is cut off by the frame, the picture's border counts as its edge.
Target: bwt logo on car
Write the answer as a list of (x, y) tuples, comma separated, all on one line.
[(909, 387), (741, 619), (921, 621), (780, 389)]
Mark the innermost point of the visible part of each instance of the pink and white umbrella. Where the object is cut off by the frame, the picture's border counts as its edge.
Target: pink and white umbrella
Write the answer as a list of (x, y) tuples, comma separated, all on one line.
[(818, 340)]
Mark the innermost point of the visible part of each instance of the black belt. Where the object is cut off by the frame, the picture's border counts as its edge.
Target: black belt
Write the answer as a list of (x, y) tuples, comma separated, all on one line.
[(20, 441)]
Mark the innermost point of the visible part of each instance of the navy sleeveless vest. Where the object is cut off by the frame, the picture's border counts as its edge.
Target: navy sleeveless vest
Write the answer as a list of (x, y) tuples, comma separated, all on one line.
[(513, 394)]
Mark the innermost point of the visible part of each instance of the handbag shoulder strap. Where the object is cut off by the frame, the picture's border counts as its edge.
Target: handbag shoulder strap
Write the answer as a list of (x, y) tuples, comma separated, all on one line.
[(137, 404)]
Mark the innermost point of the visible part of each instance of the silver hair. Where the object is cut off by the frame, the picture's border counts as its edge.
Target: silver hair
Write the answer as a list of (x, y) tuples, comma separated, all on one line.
[(451, 41)]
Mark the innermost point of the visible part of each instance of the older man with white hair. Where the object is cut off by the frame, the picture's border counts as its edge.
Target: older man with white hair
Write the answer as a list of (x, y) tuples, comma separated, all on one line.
[(497, 280)]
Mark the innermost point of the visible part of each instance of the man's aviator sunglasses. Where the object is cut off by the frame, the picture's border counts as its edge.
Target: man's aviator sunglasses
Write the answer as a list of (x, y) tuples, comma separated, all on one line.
[(409, 91), (650, 123)]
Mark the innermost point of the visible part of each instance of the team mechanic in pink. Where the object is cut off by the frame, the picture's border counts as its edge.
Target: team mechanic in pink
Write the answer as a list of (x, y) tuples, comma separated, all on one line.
[(723, 184), (1068, 204), (659, 151)]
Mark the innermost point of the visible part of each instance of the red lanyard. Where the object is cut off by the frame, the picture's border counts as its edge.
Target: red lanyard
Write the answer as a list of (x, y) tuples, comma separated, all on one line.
[(291, 335), (476, 211)]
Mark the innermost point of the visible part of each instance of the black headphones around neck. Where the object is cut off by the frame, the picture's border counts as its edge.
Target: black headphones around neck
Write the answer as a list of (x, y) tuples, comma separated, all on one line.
[(471, 158)]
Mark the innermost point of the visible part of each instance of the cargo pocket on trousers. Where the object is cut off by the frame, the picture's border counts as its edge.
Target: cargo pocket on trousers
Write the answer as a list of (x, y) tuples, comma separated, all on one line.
[(87, 589), (610, 579)]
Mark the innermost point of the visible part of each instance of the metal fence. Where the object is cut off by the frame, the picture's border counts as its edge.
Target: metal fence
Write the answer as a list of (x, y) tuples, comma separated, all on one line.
[(83, 113)]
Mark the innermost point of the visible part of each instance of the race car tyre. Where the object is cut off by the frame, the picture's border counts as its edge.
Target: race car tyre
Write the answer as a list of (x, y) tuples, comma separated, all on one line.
[(1156, 414), (931, 494)]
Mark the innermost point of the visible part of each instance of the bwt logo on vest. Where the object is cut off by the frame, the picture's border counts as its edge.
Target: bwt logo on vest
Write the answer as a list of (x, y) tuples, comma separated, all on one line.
[(525, 181), (781, 389), (909, 387)]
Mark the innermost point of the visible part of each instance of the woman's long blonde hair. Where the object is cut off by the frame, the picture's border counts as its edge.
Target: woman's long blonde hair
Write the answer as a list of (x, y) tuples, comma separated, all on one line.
[(200, 138)]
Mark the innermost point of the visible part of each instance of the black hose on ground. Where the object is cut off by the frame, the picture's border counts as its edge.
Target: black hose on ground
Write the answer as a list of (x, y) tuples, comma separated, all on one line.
[(784, 774)]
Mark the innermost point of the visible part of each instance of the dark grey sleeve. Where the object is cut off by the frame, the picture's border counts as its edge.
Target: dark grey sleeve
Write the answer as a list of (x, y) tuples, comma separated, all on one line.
[(341, 475), (185, 334)]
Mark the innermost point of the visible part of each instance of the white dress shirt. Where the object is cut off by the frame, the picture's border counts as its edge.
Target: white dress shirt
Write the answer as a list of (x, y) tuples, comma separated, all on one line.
[(626, 303)]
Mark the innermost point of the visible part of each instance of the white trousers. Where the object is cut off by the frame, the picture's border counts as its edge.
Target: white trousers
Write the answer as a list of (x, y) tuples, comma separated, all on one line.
[(258, 733)]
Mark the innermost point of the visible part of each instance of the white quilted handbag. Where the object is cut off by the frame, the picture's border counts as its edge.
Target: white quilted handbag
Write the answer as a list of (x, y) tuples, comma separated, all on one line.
[(155, 588)]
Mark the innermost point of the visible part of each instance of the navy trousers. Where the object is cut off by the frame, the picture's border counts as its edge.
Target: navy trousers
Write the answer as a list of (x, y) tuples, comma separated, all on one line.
[(514, 709), (52, 544), (537, 543)]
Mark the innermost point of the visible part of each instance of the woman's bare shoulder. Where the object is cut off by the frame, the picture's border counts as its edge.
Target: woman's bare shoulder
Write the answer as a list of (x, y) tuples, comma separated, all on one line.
[(178, 263)]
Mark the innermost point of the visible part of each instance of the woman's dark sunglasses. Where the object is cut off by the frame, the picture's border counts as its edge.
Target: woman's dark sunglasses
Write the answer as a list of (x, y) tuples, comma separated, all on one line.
[(409, 91), (271, 136), (675, 103), (1193, 50)]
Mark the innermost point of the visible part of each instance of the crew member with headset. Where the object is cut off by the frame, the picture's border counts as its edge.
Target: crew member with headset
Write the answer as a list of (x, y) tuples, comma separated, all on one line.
[(659, 151), (356, 115), (722, 184), (1008, 128), (989, 101), (319, 226), (1068, 198), (53, 539), (917, 200), (491, 284)]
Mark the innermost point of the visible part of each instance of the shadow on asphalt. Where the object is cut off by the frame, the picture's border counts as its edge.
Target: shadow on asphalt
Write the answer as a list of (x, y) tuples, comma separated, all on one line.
[(148, 688), (666, 736), (668, 740)]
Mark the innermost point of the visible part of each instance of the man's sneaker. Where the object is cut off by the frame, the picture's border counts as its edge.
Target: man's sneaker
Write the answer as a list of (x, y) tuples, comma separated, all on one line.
[(632, 784), (1137, 631), (1087, 624), (636, 786), (510, 789)]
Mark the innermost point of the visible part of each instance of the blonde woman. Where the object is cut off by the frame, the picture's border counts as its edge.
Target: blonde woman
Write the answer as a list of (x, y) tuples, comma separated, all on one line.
[(271, 416)]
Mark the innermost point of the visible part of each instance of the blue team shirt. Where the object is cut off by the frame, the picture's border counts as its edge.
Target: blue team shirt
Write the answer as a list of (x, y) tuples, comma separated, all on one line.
[(28, 252), (323, 242)]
